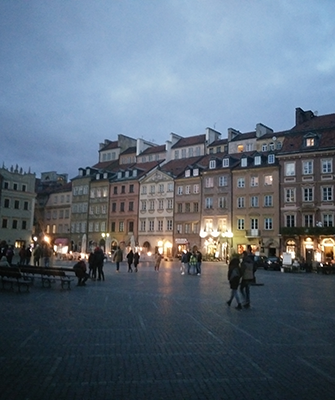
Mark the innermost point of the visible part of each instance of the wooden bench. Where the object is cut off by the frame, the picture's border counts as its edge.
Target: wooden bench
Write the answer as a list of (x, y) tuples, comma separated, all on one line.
[(12, 276), (48, 275)]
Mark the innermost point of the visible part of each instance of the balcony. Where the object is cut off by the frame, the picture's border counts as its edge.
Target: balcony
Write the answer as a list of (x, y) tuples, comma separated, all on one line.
[(252, 233)]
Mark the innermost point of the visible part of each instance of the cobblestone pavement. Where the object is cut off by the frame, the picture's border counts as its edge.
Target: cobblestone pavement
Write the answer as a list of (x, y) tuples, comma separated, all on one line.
[(160, 335)]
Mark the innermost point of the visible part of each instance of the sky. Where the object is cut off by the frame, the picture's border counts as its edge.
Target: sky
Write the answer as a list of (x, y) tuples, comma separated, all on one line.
[(74, 73)]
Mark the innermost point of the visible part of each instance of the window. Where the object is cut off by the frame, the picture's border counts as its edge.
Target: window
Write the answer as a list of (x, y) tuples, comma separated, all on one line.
[(6, 203), (113, 226), (15, 186), (327, 220), (144, 190), (212, 164), (225, 162), (179, 190), (244, 162), (121, 226), (240, 223), (308, 194), (16, 204), (195, 227), (240, 148), (143, 225), (187, 207), (160, 225), (307, 167), (4, 223), (268, 225), (187, 228), (254, 201), (152, 189), (209, 182), (268, 180), (308, 220), (170, 204), (160, 204), (268, 200), (240, 182), (187, 173), (196, 188), (196, 172), (290, 221), (176, 154), (113, 207), (170, 187), (271, 146), (289, 195), (180, 207), (264, 147), (310, 142), (327, 194), (187, 189), (179, 228), (222, 202), (152, 205), (258, 160), (195, 207), (271, 159), (254, 181), (169, 225), (115, 190), (326, 166), (24, 188), (183, 153), (240, 202), (14, 224), (122, 206), (209, 202), (143, 205), (290, 169), (190, 152), (161, 188), (131, 206), (131, 188), (223, 180), (254, 223)]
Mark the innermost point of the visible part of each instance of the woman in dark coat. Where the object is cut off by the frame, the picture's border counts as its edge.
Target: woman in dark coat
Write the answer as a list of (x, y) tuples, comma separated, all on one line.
[(234, 276), (136, 260)]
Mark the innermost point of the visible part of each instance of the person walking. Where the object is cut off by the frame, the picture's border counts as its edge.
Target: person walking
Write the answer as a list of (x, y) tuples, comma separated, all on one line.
[(130, 259), (136, 260), (118, 258), (247, 273), (234, 276), (158, 259), (99, 262)]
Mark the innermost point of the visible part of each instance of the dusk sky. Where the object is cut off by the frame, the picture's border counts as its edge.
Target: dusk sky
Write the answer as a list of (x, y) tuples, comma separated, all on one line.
[(74, 73)]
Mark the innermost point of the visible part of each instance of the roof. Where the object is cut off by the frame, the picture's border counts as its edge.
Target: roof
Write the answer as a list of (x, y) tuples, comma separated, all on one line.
[(153, 150), (177, 167), (190, 141)]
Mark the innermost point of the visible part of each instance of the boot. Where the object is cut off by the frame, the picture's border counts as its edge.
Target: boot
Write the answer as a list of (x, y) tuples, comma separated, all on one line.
[(229, 302), (239, 306)]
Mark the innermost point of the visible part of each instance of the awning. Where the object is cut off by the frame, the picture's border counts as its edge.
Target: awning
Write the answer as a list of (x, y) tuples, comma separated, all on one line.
[(62, 241)]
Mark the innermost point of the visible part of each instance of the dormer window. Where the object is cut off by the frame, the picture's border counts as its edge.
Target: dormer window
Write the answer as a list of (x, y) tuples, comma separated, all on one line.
[(278, 145), (310, 140), (258, 160), (244, 162), (212, 164), (271, 146), (105, 175), (187, 173), (271, 159), (264, 147), (196, 172), (119, 175), (225, 162), (97, 177)]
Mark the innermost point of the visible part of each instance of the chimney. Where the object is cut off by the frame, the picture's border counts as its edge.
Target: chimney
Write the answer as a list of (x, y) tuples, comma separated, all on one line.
[(302, 116)]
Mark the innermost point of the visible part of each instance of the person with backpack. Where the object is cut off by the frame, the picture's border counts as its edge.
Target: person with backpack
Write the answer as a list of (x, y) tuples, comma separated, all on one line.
[(234, 276)]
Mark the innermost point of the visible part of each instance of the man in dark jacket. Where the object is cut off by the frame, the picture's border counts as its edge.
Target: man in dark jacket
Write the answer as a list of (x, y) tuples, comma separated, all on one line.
[(99, 262), (247, 273)]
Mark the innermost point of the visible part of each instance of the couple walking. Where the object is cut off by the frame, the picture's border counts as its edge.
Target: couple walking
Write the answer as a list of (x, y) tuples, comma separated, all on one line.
[(241, 274)]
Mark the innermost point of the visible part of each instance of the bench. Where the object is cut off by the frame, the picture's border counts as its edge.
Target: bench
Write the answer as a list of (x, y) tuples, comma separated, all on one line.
[(12, 276), (48, 275)]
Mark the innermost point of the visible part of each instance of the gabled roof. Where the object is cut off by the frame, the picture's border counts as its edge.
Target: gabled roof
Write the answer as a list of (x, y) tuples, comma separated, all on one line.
[(190, 141)]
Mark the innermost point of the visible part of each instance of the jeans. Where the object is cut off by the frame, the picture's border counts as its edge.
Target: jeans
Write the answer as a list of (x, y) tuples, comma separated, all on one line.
[(198, 266), (234, 294), (245, 290)]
